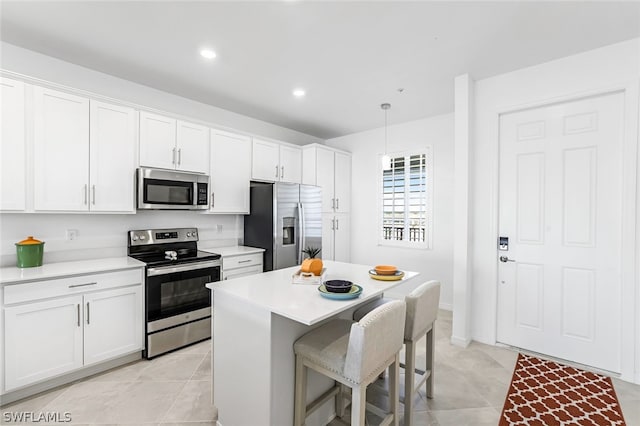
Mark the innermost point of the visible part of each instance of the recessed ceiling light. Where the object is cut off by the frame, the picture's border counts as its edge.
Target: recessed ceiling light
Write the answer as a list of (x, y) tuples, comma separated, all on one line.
[(298, 93), (207, 53)]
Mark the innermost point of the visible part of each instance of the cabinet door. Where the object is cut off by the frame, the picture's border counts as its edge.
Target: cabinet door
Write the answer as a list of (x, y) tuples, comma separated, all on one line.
[(12, 145), (328, 225), (265, 160), (157, 141), (230, 172), (112, 323), (341, 239), (113, 157), (61, 151), (342, 182), (42, 340), (290, 164), (325, 179), (193, 147), (241, 272)]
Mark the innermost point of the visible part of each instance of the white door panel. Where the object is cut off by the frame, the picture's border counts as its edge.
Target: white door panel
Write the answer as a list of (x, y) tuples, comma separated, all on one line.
[(561, 207), (12, 145)]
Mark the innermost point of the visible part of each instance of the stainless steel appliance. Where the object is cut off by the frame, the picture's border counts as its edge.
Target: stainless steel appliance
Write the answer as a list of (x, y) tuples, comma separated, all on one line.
[(171, 190), (177, 303), (285, 219)]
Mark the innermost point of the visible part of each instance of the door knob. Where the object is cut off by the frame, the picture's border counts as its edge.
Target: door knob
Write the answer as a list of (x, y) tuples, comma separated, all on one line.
[(505, 259)]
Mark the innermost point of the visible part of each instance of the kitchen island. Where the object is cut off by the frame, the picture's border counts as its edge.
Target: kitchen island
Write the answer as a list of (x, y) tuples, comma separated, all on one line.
[(256, 320)]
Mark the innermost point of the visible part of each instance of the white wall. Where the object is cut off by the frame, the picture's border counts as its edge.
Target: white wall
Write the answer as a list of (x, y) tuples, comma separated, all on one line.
[(105, 235), (365, 147), (587, 73), (37, 65)]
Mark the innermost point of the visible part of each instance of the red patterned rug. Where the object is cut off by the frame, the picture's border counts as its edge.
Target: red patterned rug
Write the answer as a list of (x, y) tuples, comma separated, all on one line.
[(545, 393)]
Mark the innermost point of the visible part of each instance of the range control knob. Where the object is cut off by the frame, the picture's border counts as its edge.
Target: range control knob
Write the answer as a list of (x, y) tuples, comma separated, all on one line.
[(194, 234), (135, 238), (142, 237), (188, 234)]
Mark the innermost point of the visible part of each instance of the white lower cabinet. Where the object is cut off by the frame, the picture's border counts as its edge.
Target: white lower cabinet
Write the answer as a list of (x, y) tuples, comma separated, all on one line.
[(241, 265), (42, 340), (336, 243), (108, 319), (60, 325)]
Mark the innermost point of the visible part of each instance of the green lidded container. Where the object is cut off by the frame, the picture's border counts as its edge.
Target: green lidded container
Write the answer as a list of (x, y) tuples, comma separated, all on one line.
[(29, 252)]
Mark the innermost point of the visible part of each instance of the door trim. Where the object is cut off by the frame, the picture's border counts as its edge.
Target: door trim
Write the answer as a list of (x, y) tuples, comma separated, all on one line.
[(630, 303)]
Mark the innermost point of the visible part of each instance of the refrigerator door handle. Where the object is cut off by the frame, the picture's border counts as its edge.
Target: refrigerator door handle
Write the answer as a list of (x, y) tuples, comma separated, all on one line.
[(301, 232)]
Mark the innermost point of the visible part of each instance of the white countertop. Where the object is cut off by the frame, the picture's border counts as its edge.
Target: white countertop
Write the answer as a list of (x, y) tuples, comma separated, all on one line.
[(232, 250), (61, 269), (275, 292)]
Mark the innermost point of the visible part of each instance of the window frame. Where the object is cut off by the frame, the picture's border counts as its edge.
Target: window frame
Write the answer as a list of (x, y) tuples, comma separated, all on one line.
[(427, 244)]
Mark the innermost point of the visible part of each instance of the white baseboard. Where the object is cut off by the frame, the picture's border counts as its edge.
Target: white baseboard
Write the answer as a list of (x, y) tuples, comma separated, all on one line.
[(458, 341)]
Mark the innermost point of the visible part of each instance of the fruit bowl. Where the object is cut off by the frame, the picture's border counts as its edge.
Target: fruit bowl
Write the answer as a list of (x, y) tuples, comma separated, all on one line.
[(385, 269), (338, 286)]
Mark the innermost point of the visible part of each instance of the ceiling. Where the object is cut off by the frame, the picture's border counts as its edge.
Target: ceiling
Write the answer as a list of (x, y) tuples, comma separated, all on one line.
[(349, 56)]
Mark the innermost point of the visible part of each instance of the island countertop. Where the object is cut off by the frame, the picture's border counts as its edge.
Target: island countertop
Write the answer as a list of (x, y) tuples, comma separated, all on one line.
[(274, 291)]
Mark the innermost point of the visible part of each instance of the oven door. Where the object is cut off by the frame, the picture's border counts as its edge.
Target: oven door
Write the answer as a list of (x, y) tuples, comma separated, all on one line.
[(177, 294)]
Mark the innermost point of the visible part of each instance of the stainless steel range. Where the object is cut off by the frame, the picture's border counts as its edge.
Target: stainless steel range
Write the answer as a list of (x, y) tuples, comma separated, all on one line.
[(177, 303)]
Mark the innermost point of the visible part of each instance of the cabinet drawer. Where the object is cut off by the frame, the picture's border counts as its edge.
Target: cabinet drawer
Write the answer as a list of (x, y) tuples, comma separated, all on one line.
[(241, 261), (242, 272), (18, 293)]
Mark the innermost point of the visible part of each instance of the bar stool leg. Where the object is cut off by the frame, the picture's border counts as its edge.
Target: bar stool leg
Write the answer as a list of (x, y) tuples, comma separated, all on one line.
[(394, 387), (430, 357), (409, 381), (300, 403), (358, 405), (340, 401)]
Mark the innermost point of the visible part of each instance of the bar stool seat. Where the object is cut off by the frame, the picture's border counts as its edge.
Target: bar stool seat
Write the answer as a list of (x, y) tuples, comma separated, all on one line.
[(422, 309), (353, 354)]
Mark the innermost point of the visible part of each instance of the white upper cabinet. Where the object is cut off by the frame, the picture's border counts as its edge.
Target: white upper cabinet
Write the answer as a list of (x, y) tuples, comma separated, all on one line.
[(112, 149), (192, 144), (265, 160), (331, 170), (342, 185), (157, 141), (276, 162), (230, 172), (290, 164), (84, 154), (173, 144), (12, 145), (61, 151)]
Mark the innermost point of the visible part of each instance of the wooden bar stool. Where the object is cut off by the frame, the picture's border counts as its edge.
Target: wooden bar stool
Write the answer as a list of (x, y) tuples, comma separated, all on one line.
[(422, 309), (352, 354)]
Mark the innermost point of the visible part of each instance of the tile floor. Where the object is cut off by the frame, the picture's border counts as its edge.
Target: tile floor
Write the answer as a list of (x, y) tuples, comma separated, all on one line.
[(175, 389)]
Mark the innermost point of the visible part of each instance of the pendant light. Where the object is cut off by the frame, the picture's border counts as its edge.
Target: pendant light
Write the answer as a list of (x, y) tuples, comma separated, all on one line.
[(386, 159)]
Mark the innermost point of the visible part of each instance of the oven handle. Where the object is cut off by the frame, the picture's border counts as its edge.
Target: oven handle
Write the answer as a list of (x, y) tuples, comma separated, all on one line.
[(164, 270)]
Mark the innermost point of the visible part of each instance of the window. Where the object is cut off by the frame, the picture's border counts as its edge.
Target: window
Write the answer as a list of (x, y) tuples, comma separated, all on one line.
[(406, 213)]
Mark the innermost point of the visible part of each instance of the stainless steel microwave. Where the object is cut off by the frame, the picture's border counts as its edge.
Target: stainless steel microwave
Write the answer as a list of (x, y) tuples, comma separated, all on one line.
[(172, 190)]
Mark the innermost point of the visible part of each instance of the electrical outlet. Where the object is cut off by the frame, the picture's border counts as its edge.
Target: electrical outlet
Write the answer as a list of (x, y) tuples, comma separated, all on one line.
[(72, 234), (219, 229)]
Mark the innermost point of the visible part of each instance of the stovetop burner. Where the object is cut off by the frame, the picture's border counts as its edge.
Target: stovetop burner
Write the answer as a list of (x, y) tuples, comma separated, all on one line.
[(159, 247)]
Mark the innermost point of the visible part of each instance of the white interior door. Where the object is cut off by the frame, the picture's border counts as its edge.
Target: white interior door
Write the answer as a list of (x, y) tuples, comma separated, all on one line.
[(559, 293)]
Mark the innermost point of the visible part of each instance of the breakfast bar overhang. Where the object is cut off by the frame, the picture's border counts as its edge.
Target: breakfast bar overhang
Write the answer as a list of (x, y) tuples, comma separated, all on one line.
[(256, 320)]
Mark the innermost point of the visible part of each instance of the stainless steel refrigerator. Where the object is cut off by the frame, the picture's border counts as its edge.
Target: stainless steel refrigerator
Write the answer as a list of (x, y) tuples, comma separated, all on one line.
[(285, 219)]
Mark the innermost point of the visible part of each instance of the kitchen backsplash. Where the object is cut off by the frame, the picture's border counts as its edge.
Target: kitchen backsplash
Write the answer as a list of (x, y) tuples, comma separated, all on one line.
[(98, 236)]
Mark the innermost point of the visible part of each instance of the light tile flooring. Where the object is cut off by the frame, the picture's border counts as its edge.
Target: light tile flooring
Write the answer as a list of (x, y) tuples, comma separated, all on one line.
[(175, 389)]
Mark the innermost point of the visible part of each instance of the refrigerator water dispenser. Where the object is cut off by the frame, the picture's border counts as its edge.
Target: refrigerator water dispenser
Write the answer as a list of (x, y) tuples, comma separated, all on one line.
[(288, 231)]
